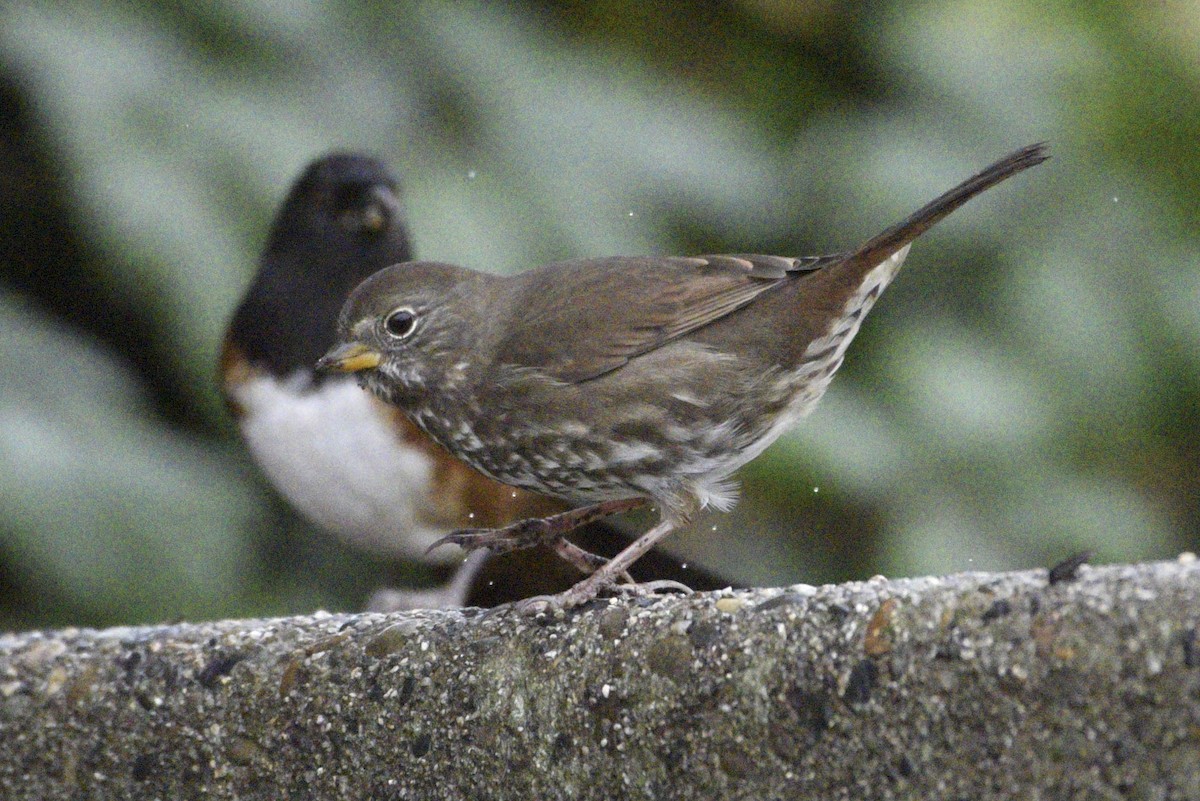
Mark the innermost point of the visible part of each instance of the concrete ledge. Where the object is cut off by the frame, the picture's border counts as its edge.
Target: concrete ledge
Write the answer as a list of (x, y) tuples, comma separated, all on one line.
[(974, 686)]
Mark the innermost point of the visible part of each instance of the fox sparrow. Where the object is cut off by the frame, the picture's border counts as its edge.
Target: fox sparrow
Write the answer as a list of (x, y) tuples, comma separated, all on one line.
[(620, 381)]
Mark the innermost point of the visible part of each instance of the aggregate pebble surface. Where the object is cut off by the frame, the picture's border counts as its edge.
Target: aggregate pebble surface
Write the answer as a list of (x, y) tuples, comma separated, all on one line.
[(970, 686)]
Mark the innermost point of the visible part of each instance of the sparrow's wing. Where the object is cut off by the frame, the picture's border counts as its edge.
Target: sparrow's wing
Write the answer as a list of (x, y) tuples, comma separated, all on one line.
[(611, 310)]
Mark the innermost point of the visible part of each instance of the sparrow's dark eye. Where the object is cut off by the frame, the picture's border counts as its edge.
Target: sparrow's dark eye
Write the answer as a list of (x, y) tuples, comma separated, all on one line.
[(400, 323)]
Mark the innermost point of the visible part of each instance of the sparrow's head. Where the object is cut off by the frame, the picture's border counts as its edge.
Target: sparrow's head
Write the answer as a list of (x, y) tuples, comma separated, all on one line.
[(406, 328)]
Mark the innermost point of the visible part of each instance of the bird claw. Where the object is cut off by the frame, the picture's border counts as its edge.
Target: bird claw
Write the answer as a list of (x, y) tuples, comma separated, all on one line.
[(540, 605), (659, 587), (535, 530), (522, 534), (585, 591)]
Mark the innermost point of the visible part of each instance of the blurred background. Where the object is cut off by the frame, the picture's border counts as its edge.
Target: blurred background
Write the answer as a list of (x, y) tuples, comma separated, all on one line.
[(1028, 388)]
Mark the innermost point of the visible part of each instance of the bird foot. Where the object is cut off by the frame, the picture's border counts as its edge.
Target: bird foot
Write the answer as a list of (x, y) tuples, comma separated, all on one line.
[(524, 534), (535, 530), (514, 537), (586, 590), (659, 587)]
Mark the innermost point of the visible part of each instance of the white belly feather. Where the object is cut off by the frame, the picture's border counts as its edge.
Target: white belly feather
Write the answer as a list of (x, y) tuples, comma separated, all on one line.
[(334, 457)]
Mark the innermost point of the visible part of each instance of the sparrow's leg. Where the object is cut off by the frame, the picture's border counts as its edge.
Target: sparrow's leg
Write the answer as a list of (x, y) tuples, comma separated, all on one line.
[(584, 561), (543, 530), (607, 575)]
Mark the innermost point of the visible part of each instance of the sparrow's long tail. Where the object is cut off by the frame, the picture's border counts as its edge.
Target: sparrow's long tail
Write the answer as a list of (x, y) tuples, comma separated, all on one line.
[(880, 247), (831, 295)]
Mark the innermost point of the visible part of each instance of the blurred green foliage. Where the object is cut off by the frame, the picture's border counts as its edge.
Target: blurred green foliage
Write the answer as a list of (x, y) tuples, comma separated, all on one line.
[(1029, 387)]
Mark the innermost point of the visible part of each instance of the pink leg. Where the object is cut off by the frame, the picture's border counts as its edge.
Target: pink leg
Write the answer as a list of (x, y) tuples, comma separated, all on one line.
[(585, 562), (605, 576), (537, 530)]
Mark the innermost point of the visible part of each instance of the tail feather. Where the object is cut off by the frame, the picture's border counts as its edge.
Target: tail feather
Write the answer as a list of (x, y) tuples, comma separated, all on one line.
[(880, 247)]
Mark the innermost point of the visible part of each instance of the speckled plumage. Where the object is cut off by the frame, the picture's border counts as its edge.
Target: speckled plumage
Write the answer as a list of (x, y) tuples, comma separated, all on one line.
[(602, 379)]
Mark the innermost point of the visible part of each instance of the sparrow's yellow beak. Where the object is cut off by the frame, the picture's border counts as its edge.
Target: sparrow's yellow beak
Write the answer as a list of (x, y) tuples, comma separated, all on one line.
[(349, 357)]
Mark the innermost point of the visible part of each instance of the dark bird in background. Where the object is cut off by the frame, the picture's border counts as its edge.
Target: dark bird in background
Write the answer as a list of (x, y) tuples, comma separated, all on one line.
[(619, 382), (351, 464)]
